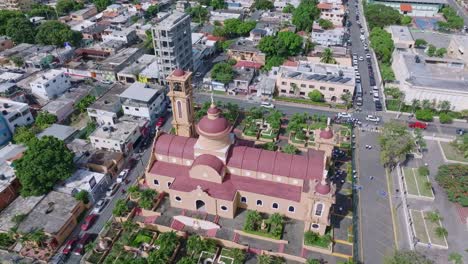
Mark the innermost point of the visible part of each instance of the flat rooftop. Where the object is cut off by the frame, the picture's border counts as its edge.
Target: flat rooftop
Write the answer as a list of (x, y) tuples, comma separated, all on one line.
[(47, 76), (435, 76), (319, 73), (139, 65), (109, 100), (119, 131), (244, 45), (51, 213), (140, 92), (59, 131), (19, 206), (120, 57), (7, 176), (80, 180), (401, 32), (171, 20)]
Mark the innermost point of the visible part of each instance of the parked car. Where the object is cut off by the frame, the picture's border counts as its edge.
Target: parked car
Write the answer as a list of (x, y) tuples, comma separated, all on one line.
[(368, 56), (461, 131), (160, 121), (267, 105), (378, 106), (359, 101), (106, 82), (100, 205), (417, 124), (69, 246), (89, 221), (372, 118), (361, 58), (112, 189), (80, 246), (122, 175)]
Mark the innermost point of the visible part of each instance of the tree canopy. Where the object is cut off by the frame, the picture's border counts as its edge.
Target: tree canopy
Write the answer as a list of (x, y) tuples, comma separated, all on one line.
[(288, 8), (325, 23), (420, 43), (382, 43), (44, 163), (84, 103), (234, 27), (263, 5), (45, 119), (6, 15), (327, 56), (20, 30), (315, 96), (66, 6), (283, 45), (56, 33), (198, 13), (222, 72), (218, 4), (102, 4), (152, 11), (379, 15), (453, 20), (395, 142), (305, 15)]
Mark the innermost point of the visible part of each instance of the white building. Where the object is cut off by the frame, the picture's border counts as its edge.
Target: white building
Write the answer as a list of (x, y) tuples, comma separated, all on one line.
[(221, 15), (127, 35), (51, 84), (332, 12), (105, 110), (94, 183), (15, 114), (330, 37), (141, 100), (430, 78), (119, 137), (280, 4)]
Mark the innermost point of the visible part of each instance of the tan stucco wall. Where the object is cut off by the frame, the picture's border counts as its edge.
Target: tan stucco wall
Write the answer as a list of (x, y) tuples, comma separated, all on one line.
[(206, 173)]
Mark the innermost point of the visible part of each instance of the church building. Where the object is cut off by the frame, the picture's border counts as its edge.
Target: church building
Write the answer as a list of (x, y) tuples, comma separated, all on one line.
[(203, 168)]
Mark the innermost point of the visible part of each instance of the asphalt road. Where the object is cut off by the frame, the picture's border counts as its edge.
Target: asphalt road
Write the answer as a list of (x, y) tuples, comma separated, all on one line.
[(106, 214)]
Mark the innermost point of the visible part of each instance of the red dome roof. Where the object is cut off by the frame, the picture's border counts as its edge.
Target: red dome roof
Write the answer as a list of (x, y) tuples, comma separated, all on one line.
[(178, 73), (213, 126), (326, 134), (210, 161), (322, 188), (213, 110)]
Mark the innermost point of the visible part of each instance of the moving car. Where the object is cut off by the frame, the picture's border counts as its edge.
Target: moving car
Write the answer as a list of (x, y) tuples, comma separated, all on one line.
[(122, 175), (372, 118), (417, 124), (112, 189), (361, 58), (84, 240), (160, 121), (69, 246), (99, 206), (267, 105), (344, 115), (89, 221)]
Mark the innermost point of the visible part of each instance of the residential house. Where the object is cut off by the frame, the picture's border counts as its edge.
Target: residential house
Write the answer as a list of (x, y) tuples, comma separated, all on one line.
[(119, 137), (15, 114), (246, 50), (50, 84), (242, 80), (61, 132), (328, 37), (130, 74), (85, 13), (332, 12), (107, 109), (94, 183), (9, 184), (144, 101)]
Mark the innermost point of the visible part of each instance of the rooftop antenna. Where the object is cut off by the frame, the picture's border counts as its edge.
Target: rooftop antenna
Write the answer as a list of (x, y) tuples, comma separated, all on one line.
[(212, 100)]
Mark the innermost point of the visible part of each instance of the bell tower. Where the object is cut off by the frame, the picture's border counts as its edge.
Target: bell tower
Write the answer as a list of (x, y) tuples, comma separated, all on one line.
[(181, 95)]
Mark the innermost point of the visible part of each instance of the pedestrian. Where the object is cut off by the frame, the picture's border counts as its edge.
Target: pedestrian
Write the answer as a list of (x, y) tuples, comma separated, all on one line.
[(355, 176), (397, 190), (340, 208), (371, 177), (342, 181)]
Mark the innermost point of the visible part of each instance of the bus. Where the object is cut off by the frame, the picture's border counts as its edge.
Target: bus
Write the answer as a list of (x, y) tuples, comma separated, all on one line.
[(358, 91)]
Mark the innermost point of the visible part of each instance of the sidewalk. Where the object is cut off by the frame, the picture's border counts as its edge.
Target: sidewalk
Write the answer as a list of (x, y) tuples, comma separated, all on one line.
[(243, 98)]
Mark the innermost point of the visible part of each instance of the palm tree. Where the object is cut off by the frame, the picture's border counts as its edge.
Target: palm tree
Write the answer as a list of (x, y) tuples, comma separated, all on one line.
[(238, 255), (90, 246), (346, 97), (194, 244), (434, 216), (455, 258), (264, 259), (444, 106), (129, 226), (327, 57), (276, 219), (415, 104)]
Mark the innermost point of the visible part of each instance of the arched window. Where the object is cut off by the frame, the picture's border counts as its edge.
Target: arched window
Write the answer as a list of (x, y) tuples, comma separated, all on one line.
[(319, 209), (275, 206), (259, 203), (179, 109)]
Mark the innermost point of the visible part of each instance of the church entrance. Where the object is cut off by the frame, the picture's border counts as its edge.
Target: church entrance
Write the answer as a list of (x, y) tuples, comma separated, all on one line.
[(200, 205)]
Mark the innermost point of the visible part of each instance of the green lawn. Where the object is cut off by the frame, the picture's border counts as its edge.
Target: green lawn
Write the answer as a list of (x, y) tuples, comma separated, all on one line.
[(418, 226), (424, 190), (410, 181), (431, 227), (452, 153)]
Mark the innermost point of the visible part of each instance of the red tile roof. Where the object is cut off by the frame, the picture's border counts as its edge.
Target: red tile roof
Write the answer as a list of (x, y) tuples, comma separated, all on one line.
[(175, 146), (210, 161), (248, 64), (406, 7), (231, 184), (290, 63), (251, 157), (324, 6), (214, 38)]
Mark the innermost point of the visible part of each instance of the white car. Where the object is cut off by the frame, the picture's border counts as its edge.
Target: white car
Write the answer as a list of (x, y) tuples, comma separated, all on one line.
[(368, 56), (344, 115), (99, 206), (267, 105), (106, 82), (372, 118), (375, 89), (122, 175), (112, 189), (361, 58)]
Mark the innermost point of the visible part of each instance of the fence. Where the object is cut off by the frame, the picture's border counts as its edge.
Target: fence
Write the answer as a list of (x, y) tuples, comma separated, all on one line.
[(356, 246)]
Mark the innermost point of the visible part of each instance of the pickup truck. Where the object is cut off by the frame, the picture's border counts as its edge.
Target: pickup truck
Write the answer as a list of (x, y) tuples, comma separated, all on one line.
[(417, 124)]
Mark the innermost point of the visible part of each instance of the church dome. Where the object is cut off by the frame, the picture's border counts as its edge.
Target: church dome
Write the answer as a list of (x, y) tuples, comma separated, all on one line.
[(213, 124), (322, 188), (326, 134), (178, 73)]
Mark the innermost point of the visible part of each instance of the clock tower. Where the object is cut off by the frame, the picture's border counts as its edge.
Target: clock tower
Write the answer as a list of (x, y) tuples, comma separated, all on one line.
[(181, 95)]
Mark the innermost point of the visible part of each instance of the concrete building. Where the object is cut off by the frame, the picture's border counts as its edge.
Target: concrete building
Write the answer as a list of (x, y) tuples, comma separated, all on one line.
[(280, 4), (328, 37), (242, 80), (119, 137), (401, 36), (458, 48), (126, 35), (429, 78), (64, 133), (215, 175), (84, 180), (131, 73), (19, 206), (416, 8), (219, 16), (332, 12), (330, 80), (246, 50), (172, 41), (108, 68), (84, 13), (9, 184), (57, 214), (15, 4), (150, 74), (142, 100), (106, 109), (51, 84), (15, 114)]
